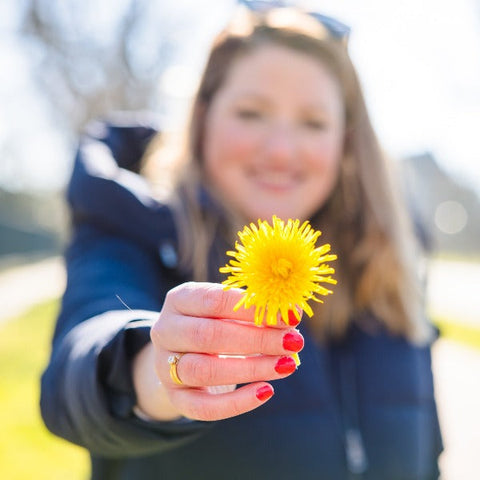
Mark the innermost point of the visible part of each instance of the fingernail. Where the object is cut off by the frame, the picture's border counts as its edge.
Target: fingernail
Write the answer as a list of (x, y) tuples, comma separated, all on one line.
[(285, 365), (264, 393), (293, 321), (293, 341)]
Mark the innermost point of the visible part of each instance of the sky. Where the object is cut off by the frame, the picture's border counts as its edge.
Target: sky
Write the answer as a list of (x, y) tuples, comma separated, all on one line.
[(418, 62)]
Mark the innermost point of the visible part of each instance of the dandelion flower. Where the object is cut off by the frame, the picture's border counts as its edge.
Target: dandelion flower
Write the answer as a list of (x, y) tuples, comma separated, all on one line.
[(280, 269)]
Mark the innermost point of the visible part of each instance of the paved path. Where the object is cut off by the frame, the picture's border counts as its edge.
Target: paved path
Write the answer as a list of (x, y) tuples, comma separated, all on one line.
[(457, 381), (22, 287), (453, 290)]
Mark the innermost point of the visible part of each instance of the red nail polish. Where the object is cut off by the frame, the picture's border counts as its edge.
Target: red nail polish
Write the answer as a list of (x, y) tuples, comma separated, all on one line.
[(285, 365), (264, 393), (293, 321), (292, 341)]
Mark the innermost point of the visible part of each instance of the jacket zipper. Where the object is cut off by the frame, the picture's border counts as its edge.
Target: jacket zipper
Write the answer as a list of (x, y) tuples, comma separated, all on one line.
[(355, 453)]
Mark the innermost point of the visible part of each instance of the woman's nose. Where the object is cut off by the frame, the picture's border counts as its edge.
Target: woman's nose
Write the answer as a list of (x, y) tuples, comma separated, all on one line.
[(280, 144)]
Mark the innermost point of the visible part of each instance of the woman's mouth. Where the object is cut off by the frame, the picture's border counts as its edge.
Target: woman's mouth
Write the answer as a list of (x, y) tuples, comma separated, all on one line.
[(276, 181)]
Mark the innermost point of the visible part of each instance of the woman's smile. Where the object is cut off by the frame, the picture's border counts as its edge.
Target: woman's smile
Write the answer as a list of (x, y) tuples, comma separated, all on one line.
[(275, 182)]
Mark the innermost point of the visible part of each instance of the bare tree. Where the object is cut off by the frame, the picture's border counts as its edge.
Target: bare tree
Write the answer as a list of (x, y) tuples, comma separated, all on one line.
[(89, 60)]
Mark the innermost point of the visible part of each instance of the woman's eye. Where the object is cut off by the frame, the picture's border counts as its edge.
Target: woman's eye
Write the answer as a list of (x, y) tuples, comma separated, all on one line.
[(315, 124), (248, 113)]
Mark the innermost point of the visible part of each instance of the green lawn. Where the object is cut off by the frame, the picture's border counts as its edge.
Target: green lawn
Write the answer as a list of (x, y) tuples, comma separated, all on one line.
[(27, 450), (459, 332)]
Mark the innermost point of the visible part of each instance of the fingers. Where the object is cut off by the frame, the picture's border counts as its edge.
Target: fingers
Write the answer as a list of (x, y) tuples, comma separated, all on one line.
[(201, 405), (207, 300), (197, 370), (189, 334), (211, 300), (220, 346)]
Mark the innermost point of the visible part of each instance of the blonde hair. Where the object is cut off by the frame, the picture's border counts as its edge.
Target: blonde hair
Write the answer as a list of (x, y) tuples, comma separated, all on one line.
[(363, 219)]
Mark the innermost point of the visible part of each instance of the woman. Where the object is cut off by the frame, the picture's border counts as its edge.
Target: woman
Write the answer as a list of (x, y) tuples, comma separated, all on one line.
[(279, 126)]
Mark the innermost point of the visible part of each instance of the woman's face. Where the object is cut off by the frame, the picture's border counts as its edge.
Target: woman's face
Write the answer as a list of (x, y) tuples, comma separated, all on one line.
[(274, 134)]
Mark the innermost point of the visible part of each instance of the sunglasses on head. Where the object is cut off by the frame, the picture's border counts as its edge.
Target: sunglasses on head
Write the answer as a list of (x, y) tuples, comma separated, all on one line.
[(335, 28)]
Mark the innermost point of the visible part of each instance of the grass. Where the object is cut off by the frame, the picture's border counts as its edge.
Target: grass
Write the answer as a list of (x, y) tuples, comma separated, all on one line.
[(463, 333), (27, 449)]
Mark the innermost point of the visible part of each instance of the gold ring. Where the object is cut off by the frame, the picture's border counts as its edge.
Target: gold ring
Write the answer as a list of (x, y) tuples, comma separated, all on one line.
[(173, 362)]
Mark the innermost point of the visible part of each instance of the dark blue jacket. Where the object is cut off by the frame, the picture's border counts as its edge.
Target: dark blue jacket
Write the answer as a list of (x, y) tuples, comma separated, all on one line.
[(360, 409)]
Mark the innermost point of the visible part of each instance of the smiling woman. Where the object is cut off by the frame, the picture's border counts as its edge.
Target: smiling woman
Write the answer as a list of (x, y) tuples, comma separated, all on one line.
[(278, 130)]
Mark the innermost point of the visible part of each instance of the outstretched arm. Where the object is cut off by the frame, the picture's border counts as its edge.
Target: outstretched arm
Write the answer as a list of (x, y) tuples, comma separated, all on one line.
[(87, 393)]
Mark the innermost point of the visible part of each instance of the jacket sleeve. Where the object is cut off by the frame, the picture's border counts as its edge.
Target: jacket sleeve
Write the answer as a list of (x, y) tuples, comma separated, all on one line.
[(87, 393)]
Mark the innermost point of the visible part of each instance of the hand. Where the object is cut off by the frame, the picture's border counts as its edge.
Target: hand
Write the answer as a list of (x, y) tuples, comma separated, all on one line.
[(198, 321)]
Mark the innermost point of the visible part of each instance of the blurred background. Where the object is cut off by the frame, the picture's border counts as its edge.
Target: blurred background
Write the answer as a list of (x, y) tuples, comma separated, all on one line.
[(66, 62), (63, 63)]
